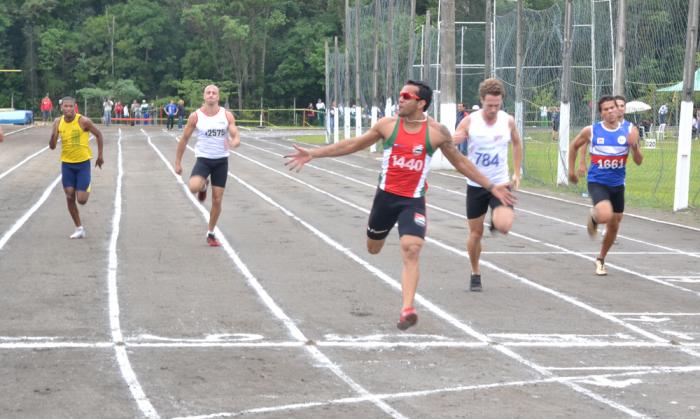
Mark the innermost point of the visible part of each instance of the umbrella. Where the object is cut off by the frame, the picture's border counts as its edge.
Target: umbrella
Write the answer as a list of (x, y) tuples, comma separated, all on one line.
[(636, 106)]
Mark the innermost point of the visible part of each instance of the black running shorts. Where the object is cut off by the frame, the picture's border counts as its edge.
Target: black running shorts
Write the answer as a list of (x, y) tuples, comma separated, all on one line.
[(479, 200), (388, 208), (217, 168), (614, 194)]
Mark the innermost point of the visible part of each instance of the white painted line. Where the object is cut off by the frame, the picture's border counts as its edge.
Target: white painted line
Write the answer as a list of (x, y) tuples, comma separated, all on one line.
[(431, 306), (56, 345), (26, 159), (275, 309), (458, 389), (23, 219), (513, 233), (127, 371), (647, 313), (554, 198), (19, 130)]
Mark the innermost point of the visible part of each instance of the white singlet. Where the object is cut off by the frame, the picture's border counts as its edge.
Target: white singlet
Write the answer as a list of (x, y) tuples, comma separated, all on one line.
[(212, 135), (488, 146)]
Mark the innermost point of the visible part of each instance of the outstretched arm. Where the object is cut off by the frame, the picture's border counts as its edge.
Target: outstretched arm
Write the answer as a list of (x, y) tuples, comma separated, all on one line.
[(182, 144), (302, 155), (583, 137), (467, 168), (2, 135)]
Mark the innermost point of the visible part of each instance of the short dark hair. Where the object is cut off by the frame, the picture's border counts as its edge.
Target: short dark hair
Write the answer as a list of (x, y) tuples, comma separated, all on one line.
[(604, 99), (425, 92), (620, 97), (68, 98)]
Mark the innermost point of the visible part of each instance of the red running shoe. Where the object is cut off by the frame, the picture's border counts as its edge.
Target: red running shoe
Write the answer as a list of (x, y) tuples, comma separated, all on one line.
[(212, 241), (202, 195), (408, 318)]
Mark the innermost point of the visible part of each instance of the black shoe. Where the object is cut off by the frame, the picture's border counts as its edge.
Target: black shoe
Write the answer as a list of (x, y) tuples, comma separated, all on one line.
[(475, 283)]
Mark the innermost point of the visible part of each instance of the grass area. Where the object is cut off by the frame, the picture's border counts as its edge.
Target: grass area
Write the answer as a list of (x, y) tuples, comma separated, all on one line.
[(649, 185)]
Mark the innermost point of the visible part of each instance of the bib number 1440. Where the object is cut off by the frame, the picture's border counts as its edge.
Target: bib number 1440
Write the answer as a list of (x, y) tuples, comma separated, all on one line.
[(412, 164)]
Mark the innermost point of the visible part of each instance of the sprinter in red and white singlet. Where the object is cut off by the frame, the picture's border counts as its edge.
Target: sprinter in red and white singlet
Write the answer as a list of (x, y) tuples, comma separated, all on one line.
[(409, 142)]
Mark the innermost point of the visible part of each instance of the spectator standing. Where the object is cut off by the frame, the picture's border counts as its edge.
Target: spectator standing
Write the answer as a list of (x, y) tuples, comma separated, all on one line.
[(180, 113), (118, 109), (107, 111), (46, 107), (321, 112), (171, 112)]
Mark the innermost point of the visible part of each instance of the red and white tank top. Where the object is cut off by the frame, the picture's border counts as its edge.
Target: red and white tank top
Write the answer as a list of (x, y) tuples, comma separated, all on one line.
[(406, 161)]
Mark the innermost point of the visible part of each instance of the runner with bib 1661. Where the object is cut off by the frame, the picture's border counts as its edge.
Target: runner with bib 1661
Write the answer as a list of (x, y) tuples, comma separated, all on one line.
[(610, 142), (409, 142)]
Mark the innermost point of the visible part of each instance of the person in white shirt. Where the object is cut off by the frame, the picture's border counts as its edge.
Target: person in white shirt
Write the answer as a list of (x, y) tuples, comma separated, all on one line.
[(489, 132), (216, 132)]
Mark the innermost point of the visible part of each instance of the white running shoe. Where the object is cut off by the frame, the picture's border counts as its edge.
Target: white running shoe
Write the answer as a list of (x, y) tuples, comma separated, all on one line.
[(79, 233)]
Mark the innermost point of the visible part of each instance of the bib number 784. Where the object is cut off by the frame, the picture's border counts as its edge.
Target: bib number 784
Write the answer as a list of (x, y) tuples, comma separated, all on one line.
[(485, 159)]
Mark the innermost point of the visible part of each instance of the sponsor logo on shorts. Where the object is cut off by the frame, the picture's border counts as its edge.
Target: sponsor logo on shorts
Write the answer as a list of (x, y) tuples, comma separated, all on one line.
[(418, 150), (371, 230), (419, 219), (600, 140)]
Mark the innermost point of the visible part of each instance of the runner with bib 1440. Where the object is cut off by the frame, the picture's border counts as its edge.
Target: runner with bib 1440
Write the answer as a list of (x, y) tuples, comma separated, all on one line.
[(409, 142), (610, 142)]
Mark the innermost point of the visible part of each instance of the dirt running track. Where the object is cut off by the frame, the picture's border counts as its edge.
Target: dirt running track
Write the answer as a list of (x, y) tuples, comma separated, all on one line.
[(292, 317)]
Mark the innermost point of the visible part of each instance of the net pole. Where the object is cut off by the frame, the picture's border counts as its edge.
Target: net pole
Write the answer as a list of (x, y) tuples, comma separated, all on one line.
[(327, 123), (519, 69), (375, 73), (488, 38), (346, 90), (565, 106), (682, 187), (427, 48), (594, 75), (389, 62), (409, 64), (619, 69), (358, 104), (334, 105)]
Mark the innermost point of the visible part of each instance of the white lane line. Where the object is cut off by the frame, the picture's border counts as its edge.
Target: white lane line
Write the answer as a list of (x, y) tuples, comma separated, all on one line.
[(423, 301), (23, 219), (125, 367), (275, 309), (56, 345), (19, 130), (647, 313), (598, 379), (557, 294), (461, 177), (513, 233), (26, 159)]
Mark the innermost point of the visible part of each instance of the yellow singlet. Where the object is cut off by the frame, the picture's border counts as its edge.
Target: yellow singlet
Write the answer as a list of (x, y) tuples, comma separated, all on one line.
[(75, 143)]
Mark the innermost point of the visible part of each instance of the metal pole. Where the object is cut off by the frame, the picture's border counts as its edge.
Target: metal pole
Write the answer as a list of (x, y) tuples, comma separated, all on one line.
[(358, 100), (488, 19), (411, 32), (519, 69), (326, 113), (680, 199), (594, 75), (422, 54), (346, 84), (389, 62), (461, 66), (565, 107), (334, 105), (448, 106), (619, 69), (428, 48), (375, 73)]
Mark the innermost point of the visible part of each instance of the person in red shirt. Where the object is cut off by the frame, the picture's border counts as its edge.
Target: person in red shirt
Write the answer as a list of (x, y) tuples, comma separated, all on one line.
[(118, 109), (46, 107), (410, 139)]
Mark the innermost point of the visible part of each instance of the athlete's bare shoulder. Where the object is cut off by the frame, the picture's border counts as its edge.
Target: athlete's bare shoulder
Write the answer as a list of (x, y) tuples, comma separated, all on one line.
[(438, 130)]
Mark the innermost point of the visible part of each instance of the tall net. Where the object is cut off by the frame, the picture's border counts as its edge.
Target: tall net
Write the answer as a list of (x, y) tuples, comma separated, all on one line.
[(384, 31)]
